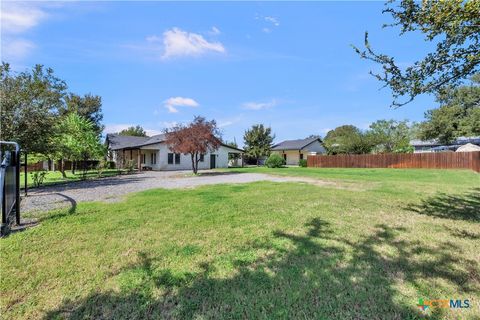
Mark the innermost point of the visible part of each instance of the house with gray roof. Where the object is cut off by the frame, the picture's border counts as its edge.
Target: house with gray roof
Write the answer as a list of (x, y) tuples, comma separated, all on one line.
[(154, 154), (295, 150), (423, 146)]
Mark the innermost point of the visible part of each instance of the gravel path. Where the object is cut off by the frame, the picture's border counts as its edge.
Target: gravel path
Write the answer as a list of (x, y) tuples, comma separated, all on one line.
[(113, 188)]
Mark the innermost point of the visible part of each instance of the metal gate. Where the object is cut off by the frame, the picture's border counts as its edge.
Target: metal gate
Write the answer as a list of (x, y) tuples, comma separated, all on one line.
[(9, 185)]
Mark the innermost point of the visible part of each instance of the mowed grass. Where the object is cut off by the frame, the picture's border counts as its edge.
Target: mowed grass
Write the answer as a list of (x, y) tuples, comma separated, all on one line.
[(259, 250)]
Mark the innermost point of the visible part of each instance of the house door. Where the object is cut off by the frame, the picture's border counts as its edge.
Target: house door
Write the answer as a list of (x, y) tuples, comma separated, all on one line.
[(212, 161)]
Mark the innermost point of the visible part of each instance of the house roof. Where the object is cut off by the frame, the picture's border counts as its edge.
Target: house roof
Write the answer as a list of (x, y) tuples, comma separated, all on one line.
[(294, 144), (116, 141), (434, 142)]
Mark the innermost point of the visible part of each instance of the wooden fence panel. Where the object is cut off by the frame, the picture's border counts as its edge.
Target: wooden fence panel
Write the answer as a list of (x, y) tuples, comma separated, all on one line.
[(437, 160)]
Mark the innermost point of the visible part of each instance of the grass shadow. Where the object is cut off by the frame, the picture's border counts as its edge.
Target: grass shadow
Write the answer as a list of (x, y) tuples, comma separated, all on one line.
[(316, 276), (464, 206)]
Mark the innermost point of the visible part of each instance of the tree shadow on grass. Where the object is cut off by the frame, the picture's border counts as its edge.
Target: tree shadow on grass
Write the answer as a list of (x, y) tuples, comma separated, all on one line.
[(451, 206), (317, 275)]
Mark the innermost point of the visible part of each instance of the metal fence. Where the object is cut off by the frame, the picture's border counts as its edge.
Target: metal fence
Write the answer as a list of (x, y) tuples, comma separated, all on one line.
[(436, 160), (9, 185)]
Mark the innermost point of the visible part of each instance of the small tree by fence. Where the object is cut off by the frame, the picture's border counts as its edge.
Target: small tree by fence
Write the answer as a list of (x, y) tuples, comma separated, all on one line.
[(440, 160)]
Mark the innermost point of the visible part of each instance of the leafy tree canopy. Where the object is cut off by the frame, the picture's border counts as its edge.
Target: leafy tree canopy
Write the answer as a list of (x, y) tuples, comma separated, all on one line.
[(30, 102), (454, 26), (133, 131), (258, 141), (458, 114), (347, 139), (390, 135), (76, 139), (89, 106), (198, 137)]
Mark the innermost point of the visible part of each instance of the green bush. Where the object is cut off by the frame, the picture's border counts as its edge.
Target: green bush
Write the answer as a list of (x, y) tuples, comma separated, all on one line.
[(38, 177), (302, 163), (275, 161), (101, 167), (130, 166)]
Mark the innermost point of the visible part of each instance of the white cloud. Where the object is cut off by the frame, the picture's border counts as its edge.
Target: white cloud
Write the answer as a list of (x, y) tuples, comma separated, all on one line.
[(173, 102), (181, 101), (19, 17), (269, 22), (178, 43), (215, 31), (260, 105), (16, 19), (171, 108), (16, 49), (272, 20)]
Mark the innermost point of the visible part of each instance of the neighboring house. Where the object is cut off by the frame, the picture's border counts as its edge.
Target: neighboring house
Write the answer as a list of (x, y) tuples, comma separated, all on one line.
[(295, 150), (154, 153), (469, 147), (421, 146)]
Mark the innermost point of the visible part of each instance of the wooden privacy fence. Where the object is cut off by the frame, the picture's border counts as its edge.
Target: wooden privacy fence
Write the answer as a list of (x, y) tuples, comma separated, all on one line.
[(436, 160)]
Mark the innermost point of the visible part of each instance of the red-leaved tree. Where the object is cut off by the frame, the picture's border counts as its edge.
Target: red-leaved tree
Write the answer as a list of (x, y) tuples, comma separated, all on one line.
[(196, 138)]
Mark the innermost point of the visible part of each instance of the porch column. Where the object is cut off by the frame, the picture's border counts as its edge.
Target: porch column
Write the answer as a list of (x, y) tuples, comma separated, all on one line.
[(139, 164)]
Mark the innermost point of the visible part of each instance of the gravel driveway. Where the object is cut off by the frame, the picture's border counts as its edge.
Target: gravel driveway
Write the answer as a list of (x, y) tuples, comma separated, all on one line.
[(113, 188)]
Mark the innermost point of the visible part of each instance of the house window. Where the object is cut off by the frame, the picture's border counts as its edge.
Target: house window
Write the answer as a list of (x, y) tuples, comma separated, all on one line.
[(170, 158), (153, 158), (202, 157), (301, 156), (177, 158), (144, 158)]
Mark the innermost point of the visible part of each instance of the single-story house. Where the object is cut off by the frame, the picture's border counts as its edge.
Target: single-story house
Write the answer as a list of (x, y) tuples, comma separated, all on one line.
[(422, 146), (295, 150), (153, 153)]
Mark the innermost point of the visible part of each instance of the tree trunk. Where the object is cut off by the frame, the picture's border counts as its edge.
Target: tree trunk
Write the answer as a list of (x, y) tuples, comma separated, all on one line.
[(62, 169), (194, 168), (74, 164), (197, 160)]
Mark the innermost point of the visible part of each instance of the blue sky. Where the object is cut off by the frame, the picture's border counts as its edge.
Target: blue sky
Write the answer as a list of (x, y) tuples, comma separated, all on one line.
[(287, 65)]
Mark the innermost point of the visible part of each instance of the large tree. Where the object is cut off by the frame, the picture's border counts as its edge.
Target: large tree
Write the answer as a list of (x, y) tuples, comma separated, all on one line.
[(347, 139), (390, 135), (196, 138), (258, 141), (77, 140), (453, 26), (458, 114), (89, 106), (30, 103), (136, 131)]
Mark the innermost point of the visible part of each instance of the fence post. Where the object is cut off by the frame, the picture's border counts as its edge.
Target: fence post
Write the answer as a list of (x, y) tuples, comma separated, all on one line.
[(25, 178), (17, 187)]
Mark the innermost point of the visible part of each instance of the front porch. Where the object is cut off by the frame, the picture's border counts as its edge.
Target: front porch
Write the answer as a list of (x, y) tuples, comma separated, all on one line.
[(139, 159)]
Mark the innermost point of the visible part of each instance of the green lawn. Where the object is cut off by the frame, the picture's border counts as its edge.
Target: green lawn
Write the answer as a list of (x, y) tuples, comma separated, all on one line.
[(55, 177), (259, 250)]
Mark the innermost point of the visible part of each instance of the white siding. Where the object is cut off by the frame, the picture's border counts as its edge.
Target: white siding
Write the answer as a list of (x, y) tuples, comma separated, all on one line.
[(293, 156), (162, 152)]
